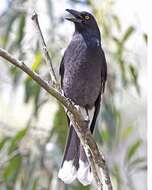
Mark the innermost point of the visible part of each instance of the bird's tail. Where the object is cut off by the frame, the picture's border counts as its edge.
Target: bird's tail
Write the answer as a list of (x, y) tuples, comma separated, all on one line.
[(75, 163), (70, 163), (84, 174)]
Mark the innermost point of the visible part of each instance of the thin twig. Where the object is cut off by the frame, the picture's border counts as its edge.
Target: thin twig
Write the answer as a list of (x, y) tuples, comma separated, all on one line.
[(47, 56)]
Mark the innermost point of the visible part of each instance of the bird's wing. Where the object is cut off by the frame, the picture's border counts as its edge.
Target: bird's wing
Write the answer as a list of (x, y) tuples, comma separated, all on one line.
[(97, 108), (103, 73), (61, 69), (65, 59), (103, 81)]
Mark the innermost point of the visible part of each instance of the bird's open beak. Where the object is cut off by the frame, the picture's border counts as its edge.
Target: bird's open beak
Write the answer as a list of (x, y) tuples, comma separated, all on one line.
[(76, 15)]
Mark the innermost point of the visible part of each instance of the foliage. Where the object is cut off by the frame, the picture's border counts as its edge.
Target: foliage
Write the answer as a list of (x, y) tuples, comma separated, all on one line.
[(31, 157)]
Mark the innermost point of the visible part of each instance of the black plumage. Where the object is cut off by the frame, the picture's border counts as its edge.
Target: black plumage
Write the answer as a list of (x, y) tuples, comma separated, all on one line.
[(83, 71)]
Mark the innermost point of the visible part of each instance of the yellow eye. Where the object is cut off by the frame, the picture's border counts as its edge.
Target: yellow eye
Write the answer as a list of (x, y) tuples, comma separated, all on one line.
[(87, 17)]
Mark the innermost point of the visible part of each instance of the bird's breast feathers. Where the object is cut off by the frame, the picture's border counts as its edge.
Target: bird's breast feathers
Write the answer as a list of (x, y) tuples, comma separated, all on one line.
[(82, 71)]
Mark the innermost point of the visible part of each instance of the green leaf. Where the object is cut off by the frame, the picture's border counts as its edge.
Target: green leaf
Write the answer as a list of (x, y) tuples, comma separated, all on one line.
[(37, 61), (28, 89), (145, 37), (11, 171), (117, 173), (134, 76), (3, 141), (105, 135), (31, 90), (60, 126), (18, 137), (136, 163), (123, 72), (144, 168), (10, 22), (128, 33), (16, 73), (133, 72), (20, 28), (117, 41), (126, 132), (117, 118), (78, 186), (117, 22), (105, 29), (34, 185), (132, 149)]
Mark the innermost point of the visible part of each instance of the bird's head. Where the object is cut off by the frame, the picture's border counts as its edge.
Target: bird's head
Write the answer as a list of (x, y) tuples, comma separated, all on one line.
[(83, 21)]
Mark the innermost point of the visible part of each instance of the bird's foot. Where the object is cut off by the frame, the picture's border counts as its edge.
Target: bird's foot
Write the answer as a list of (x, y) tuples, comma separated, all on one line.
[(87, 119)]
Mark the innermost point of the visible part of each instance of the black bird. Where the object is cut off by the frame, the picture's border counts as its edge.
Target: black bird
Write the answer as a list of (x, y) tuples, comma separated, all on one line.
[(83, 71)]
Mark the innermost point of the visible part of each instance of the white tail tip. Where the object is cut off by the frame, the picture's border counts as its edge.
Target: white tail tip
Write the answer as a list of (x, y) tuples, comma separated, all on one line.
[(68, 172), (84, 175)]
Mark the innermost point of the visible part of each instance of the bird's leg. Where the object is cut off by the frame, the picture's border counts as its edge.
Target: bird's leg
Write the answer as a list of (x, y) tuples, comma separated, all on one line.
[(87, 117), (84, 113), (62, 92), (65, 109)]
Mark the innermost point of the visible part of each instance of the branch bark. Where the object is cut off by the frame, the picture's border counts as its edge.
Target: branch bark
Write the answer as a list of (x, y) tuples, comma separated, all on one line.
[(96, 159)]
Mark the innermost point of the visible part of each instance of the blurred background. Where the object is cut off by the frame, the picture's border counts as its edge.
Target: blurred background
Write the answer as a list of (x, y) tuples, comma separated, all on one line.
[(33, 124)]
